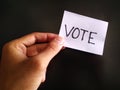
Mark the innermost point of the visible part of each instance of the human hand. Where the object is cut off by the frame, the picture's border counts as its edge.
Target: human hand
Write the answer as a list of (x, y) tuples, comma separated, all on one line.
[(24, 61)]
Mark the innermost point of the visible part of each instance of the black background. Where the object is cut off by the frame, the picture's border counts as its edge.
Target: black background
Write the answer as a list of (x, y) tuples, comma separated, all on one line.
[(70, 68)]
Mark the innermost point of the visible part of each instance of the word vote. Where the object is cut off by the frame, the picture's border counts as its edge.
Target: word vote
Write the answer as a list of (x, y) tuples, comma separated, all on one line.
[(75, 33)]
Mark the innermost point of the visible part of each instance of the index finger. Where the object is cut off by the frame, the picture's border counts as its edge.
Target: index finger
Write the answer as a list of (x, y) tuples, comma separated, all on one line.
[(32, 38)]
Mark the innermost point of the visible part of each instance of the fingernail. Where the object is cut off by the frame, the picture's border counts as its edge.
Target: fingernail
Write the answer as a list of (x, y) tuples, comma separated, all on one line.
[(60, 40)]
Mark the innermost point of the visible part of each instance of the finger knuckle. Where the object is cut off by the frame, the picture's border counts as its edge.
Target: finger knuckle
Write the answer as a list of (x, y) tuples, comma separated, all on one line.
[(37, 65)]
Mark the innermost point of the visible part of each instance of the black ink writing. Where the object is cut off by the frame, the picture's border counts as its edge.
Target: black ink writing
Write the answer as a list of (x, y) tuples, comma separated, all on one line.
[(75, 32), (84, 31), (90, 37), (67, 34), (77, 35)]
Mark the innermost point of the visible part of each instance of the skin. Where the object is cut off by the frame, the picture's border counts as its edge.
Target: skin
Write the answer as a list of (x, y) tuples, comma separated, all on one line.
[(25, 60)]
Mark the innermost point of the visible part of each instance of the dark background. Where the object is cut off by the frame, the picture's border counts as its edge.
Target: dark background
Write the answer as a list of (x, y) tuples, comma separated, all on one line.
[(70, 69)]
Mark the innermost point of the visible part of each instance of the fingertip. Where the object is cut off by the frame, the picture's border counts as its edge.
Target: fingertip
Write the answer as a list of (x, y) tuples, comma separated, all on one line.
[(59, 40)]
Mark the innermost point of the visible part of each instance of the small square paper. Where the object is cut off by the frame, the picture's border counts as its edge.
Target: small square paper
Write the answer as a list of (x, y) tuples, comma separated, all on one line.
[(83, 33)]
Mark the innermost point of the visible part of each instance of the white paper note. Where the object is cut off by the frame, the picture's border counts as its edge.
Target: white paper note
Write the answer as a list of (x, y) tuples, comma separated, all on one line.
[(83, 33)]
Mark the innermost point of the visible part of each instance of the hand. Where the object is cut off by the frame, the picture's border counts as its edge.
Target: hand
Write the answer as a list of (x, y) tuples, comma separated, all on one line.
[(24, 61)]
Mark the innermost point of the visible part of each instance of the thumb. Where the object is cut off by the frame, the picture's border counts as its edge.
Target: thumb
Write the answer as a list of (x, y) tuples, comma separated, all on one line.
[(51, 50)]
